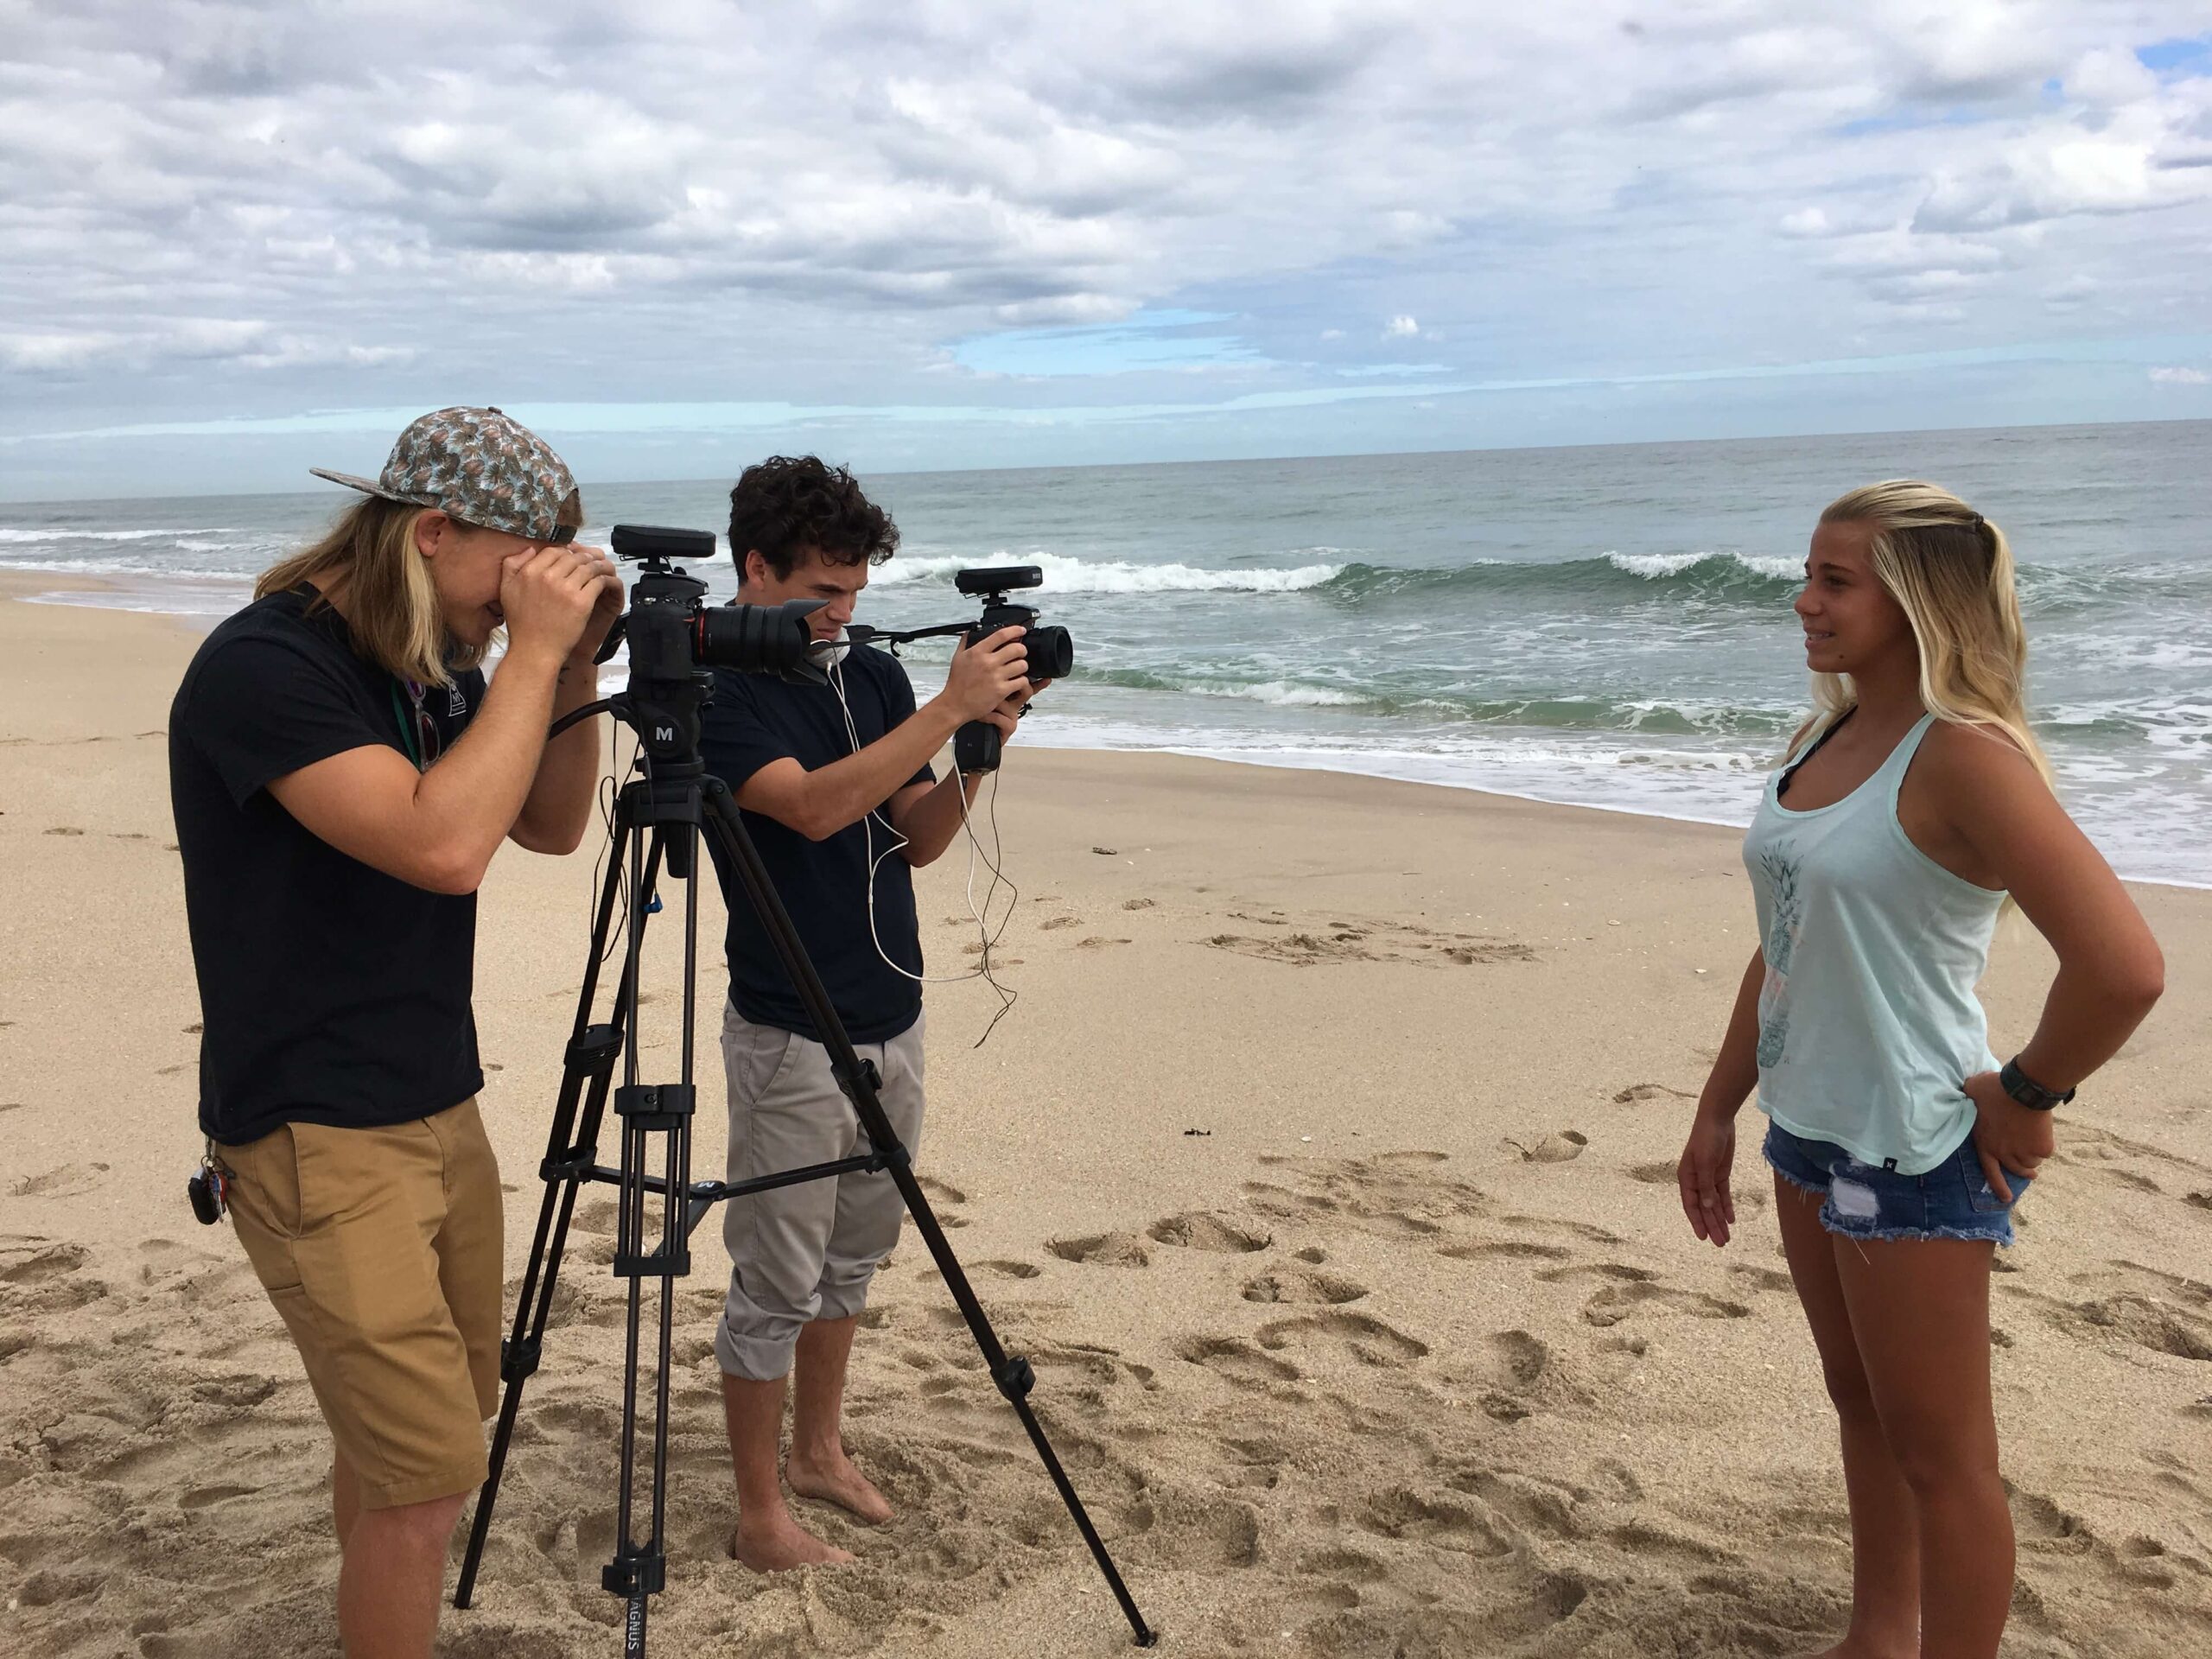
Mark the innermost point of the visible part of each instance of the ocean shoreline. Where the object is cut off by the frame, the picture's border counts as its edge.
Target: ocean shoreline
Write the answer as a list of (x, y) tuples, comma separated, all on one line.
[(58, 588)]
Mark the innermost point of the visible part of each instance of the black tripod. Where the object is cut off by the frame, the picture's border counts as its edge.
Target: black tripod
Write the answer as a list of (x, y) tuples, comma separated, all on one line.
[(659, 816)]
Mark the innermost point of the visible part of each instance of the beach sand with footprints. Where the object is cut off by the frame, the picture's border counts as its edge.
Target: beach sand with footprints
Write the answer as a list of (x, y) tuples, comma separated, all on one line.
[(1324, 1171)]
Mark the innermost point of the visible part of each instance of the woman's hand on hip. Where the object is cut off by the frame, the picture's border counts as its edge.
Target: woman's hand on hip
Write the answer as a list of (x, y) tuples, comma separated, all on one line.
[(2006, 1134)]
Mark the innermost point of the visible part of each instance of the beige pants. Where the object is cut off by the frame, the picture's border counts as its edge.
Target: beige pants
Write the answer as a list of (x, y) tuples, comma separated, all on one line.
[(381, 1248), (803, 1252)]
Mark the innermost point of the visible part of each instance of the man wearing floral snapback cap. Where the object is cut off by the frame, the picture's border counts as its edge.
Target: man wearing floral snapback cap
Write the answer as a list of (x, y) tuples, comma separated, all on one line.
[(341, 776)]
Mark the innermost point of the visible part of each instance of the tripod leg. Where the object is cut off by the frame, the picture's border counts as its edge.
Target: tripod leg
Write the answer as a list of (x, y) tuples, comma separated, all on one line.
[(570, 1149), (639, 1571), (1013, 1374)]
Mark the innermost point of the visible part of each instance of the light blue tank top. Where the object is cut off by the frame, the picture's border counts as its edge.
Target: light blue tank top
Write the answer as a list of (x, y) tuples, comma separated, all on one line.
[(1868, 1021)]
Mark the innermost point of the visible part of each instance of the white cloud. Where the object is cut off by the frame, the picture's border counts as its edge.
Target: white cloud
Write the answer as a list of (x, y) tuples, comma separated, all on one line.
[(2180, 377), (665, 206)]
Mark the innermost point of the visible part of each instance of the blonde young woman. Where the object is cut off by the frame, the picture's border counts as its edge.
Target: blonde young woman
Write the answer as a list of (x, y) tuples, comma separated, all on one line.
[(1912, 804)]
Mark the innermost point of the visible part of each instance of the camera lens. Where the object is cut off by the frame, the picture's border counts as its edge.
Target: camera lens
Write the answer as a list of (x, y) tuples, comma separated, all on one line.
[(1052, 653), (755, 638)]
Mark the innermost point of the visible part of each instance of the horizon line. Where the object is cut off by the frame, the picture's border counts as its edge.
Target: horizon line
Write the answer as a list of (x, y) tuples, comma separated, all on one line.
[(8, 501)]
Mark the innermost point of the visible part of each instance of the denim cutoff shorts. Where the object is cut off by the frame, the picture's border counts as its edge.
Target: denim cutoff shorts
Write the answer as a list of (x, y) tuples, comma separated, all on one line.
[(1953, 1200)]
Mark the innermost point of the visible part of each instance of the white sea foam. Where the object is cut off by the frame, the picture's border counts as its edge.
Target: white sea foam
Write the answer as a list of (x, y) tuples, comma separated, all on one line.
[(1064, 575), (16, 535), (1656, 567)]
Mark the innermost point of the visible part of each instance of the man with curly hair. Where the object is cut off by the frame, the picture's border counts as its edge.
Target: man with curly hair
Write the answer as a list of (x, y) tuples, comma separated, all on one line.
[(836, 785)]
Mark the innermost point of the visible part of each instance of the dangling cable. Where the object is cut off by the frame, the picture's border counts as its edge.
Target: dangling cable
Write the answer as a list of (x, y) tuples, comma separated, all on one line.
[(610, 788), (988, 935)]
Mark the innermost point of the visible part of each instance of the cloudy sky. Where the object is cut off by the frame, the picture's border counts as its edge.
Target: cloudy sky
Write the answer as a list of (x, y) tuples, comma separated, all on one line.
[(242, 238)]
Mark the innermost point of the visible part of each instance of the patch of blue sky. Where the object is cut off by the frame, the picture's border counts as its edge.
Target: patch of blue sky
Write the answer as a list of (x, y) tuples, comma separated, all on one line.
[(1147, 340), (2179, 58), (1911, 120)]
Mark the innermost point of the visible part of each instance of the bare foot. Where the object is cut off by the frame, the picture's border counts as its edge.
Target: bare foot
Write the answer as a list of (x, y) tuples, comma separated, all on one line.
[(834, 1480), (777, 1544)]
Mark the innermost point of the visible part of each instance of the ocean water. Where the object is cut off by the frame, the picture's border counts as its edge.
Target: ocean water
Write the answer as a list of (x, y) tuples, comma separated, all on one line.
[(1605, 626)]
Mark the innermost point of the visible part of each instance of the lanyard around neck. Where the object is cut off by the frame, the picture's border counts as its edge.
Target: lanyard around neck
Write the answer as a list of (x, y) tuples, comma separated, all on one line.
[(405, 714)]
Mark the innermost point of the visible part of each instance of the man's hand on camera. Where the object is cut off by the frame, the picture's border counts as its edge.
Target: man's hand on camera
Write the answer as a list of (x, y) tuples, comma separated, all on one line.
[(1014, 707), (607, 607), (985, 675), (547, 596)]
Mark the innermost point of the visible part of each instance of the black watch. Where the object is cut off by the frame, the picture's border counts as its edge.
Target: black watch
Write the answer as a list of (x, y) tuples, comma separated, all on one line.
[(2025, 1090)]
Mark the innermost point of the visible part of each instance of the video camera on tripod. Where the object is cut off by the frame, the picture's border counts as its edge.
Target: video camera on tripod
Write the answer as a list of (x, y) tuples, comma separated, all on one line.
[(674, 636)]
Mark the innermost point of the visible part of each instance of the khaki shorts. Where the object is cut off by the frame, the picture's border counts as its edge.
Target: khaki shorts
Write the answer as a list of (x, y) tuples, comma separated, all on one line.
[(382, 1248), (806, 1252)]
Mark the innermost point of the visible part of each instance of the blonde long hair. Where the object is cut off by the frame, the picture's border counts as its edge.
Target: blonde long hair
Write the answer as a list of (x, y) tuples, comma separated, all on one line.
[(1951, 569), (392, 604)]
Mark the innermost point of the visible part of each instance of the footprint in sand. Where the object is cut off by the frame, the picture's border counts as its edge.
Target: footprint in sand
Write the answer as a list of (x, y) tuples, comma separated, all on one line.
[(65, 1182), (1397, 1195), (2044, 1527), (1059, 921), (1098, 941), (1102, 1250), (2146, 1322), (34, 1262), (1138, 904), (1618, 1272), (1367, 1340), (1006, 1269), (1656, 1174), (1637, 1092), (2161, 1312), (1201, 1230), (1618, 1302), (940, 1194), (1352, 1565), (1506, 1359), (1563, 1147), (1297, 1285), (1505, 1249), (1439, 1520), (1299, 950), (200, 1498), (1587, 1231), (1235, 1361), (65, 830), (1766, 1279)]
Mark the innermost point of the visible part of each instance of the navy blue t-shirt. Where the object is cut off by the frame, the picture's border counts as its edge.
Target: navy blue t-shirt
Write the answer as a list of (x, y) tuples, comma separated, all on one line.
[(330, 993), (752, 719)]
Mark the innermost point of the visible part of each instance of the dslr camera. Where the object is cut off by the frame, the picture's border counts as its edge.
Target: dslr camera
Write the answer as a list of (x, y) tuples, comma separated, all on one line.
[(975, 747)]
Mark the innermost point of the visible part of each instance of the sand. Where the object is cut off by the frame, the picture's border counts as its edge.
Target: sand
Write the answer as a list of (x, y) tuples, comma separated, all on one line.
[(1324, 1172)]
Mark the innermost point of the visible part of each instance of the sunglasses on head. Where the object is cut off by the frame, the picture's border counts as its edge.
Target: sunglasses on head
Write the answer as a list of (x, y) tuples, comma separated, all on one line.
[(417, 730)]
